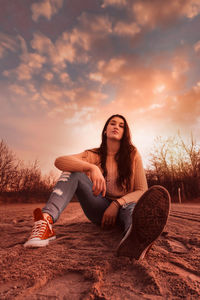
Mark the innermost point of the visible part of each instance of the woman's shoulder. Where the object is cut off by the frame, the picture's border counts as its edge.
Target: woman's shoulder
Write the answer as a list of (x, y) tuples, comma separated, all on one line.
[(91, 155)]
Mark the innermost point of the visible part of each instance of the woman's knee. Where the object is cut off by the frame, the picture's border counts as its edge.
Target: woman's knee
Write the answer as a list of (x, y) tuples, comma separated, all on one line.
[(66, 176)]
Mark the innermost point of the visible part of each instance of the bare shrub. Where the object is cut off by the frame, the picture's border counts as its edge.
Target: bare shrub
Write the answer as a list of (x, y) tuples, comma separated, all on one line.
[(20, 180), (8, 167), (175, 164)]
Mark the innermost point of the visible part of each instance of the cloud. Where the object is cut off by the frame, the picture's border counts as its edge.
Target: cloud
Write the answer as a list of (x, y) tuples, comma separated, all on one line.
[(64, 77), (180, 64), (197, 47), (55, 94), (65, 51), (23, 72), (108, 71), (140, 87), (42, 44), (112, 68), (31, 63), (90, 37), (126, 29), (191, 8), (89, 97), (80, 38), (74, 46), (48, 76), (46, 8), (97, 77), (17, 89), (7, 43), (70, 103), (114, 3), (156, 12), (57, 54), (31, 88), (187, 108), (84, 113), (95, 23)]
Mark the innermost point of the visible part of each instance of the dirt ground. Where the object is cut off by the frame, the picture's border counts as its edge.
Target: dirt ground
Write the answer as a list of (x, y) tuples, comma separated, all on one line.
[(82, 263)]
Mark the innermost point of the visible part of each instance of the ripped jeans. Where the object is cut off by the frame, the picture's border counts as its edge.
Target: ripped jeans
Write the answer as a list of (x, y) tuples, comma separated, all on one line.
[(77, 183)]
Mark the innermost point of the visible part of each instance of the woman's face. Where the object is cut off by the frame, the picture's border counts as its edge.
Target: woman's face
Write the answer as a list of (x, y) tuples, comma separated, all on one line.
[(115, 129)]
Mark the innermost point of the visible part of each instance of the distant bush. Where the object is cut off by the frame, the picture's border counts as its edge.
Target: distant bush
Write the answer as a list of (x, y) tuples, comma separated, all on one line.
[(176, 165), (20, 181)]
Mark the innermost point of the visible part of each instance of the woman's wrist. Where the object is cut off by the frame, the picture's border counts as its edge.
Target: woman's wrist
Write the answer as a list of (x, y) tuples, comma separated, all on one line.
[(121, 201), (88, 167), (116, 203)]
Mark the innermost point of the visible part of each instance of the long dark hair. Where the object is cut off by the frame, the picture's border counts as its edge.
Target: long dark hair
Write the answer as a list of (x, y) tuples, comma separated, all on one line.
[(123, 157)]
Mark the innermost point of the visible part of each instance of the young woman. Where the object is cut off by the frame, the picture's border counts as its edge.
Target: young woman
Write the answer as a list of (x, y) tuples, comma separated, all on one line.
[(111, 187)]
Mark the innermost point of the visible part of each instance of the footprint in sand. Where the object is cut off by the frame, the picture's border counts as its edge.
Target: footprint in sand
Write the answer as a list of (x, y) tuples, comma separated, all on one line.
[(186, 272), (174, 245), (177, 246), (73, 285)]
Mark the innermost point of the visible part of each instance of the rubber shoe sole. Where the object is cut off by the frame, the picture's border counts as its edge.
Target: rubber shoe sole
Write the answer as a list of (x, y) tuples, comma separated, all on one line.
[(148, 221), (36, 242)]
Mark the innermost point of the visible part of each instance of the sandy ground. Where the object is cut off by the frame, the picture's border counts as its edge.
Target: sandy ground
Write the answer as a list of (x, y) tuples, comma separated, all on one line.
[(82, 263)]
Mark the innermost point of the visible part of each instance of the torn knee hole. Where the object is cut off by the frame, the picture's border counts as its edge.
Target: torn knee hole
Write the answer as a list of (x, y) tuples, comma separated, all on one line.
[(58, 192)]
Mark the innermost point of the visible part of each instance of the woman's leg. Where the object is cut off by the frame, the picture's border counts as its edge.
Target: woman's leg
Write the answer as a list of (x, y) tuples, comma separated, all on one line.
[(125, 216), (76, 183), (68, 185)]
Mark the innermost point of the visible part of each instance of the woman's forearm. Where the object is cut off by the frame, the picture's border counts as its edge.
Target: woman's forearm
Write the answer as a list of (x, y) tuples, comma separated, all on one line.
[(72, 164)]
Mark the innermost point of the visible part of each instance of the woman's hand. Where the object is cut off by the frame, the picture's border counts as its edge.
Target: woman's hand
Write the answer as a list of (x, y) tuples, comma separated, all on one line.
[(99, 183), (110, 215)]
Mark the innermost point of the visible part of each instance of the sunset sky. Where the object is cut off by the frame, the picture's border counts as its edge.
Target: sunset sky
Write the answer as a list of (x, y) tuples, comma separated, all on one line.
[(66, 66)]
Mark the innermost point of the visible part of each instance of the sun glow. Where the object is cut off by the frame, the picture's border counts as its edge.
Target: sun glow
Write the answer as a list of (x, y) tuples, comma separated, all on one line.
[(159, 89)]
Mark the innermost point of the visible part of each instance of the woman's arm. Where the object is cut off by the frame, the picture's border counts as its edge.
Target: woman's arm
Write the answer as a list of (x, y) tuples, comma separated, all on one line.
[(75, 163), (140, 183)]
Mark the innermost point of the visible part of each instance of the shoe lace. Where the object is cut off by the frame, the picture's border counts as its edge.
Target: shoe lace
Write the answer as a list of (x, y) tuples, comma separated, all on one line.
[(39, 228)]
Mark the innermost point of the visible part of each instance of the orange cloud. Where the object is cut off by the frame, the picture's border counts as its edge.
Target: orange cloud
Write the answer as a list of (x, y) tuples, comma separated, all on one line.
[(65, 52), (180, 64), (7, 43), (114, 3), (48, 76), (108, 71), (73, 46), (197, 47), (47, 9), (79, 38), (186, 108), (95, 23), (17, 89), (53, 93), (58, 53), (64, 77), (139, 88), (156, 12), (31, 64), (126, 29)]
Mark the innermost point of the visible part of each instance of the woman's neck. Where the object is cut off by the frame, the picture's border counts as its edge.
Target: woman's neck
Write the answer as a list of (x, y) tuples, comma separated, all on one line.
[(112, 146)]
